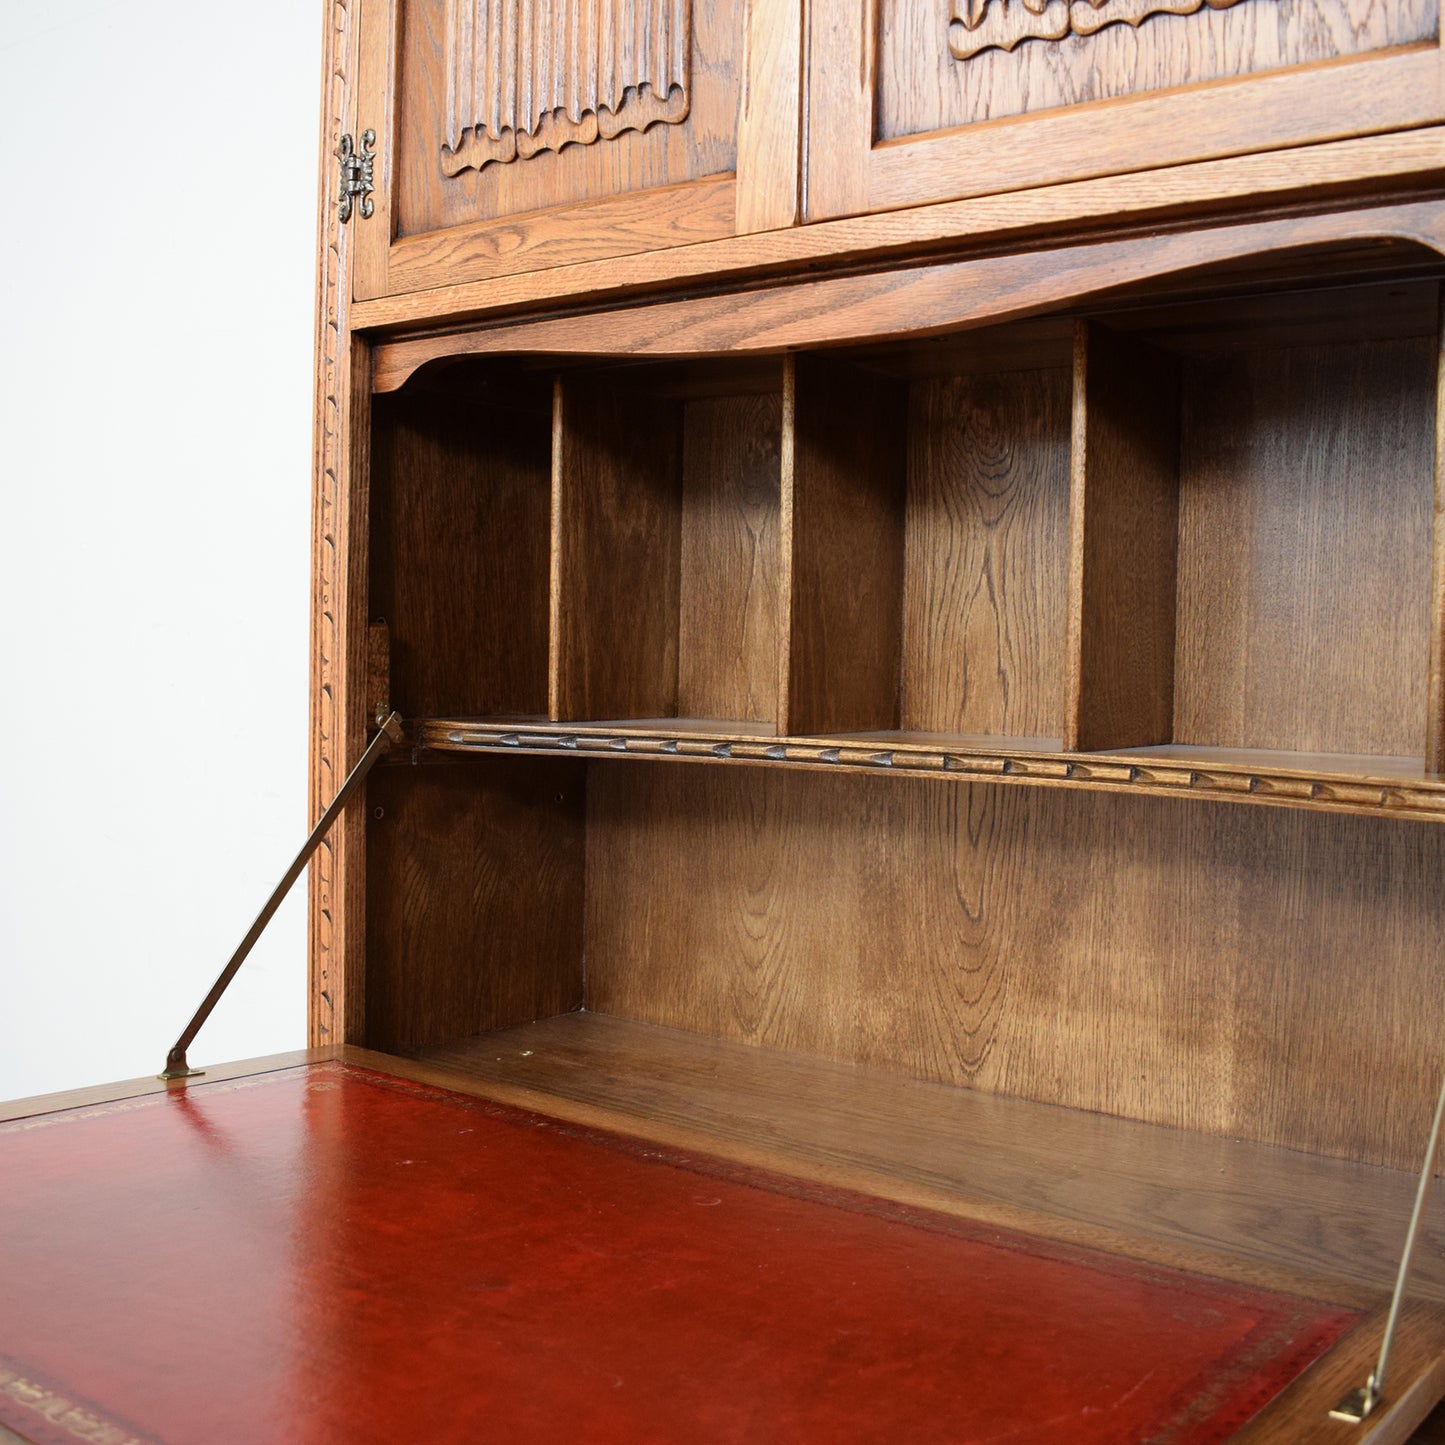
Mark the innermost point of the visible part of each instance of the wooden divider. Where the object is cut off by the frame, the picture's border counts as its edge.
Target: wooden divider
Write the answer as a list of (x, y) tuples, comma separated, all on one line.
[(844, 504), (616, 551), (1435, 721), (1123, 542)]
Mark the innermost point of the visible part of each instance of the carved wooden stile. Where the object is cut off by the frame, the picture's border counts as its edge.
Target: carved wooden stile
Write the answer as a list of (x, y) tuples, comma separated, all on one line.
[(530, 75)]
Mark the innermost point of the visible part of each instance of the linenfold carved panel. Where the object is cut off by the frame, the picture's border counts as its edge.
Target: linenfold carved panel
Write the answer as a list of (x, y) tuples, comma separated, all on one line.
[(530, 75), (1002, 24)]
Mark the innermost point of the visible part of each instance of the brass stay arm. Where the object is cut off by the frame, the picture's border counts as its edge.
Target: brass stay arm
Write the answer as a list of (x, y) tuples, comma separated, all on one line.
[(176, 1065)]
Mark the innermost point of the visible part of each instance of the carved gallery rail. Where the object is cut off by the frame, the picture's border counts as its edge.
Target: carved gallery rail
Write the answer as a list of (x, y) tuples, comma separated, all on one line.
[(1410, 794)]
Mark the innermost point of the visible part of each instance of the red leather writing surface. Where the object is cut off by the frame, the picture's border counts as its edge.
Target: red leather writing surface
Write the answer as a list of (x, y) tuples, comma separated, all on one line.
[(326, 1254)]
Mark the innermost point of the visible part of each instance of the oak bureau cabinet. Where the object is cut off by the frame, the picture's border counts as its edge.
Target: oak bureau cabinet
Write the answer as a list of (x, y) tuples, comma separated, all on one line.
[(907, 539)]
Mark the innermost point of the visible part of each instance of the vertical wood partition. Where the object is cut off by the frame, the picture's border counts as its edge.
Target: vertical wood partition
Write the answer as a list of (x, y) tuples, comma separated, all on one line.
[(847, 526), (1435, 724), (1123, 542), (617, 495)]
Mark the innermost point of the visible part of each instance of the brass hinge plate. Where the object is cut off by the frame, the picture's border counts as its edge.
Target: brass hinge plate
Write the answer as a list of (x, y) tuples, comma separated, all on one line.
[(356, 181)]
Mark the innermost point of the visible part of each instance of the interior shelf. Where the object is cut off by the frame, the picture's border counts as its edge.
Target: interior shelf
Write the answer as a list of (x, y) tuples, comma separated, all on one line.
[(1353, 783), (1190, 1199), (1183, 548)]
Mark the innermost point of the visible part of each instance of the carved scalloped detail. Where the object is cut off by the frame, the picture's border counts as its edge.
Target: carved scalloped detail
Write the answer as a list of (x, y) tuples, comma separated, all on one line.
[(977, 25), (528, 77), (1115, 774), (326, 966)]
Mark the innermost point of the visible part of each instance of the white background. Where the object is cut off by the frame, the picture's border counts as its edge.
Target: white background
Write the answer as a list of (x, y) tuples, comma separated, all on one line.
[(157, 234)]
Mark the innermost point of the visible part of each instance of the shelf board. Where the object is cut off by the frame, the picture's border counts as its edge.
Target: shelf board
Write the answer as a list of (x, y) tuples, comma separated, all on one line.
[(1327, 782), (1253, 1212)]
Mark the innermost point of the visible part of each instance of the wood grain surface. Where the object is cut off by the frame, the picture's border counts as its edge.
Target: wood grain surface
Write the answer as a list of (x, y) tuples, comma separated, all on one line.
[(703, 144), (459, 549), (1435, 698), (770, 117), (931, 299), (921, 87), (339, 478), (850, 172), (1307, 491), (848, 461), (474, 905), (730, 611), (1204, 191), (1179, 963), (1124, 539), (986, 549), (617, 503)]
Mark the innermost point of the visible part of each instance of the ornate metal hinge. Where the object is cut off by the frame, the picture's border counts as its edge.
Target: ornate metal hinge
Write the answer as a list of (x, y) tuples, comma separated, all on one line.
[(356, 177)]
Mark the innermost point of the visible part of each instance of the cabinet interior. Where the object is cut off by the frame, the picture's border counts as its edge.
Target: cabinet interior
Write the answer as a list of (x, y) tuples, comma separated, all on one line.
[(1196, 532)]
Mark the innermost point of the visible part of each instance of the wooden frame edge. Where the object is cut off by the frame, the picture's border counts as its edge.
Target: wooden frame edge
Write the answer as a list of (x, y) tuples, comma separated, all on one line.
[(96, 1094)]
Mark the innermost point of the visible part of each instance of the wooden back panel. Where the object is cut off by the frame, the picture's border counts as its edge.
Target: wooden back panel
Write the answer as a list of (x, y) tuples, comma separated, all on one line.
[(1234, 970), (459, 552)]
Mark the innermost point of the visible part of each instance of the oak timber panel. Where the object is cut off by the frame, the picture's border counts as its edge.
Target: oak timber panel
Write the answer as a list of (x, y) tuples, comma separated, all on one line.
[(474, 898), (848, 483), (616, 550), (702, 141), (1124, 541), (459, 565), (923, 87), (986, 554), (1248, 972), (1307, 493), (729, 592)]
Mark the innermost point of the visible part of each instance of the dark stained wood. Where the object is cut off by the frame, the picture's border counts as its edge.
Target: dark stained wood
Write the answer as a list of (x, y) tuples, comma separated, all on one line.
[(987, 555), (1142, 957), (922, 88), (729, 600), (1202, 192), (666, 585), (1432, 1431), (922, 300), (460, 496), (378, 670), (1307, 486), (847, 526), (1124, 538), (1266, 1215), (1435, 698), (474, 907), (617, 555)]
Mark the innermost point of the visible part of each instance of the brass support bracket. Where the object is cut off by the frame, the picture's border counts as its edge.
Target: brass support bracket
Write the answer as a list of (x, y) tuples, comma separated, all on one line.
[(1360, 1403), (391, 732)]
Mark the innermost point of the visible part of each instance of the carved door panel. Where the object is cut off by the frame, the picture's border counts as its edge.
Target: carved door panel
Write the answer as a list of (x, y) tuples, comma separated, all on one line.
[(514, 135), (912, 101)]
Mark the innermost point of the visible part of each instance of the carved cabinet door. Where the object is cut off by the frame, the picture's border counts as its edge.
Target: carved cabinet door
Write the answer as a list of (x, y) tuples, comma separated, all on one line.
[(515, 135), (912, 101)]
